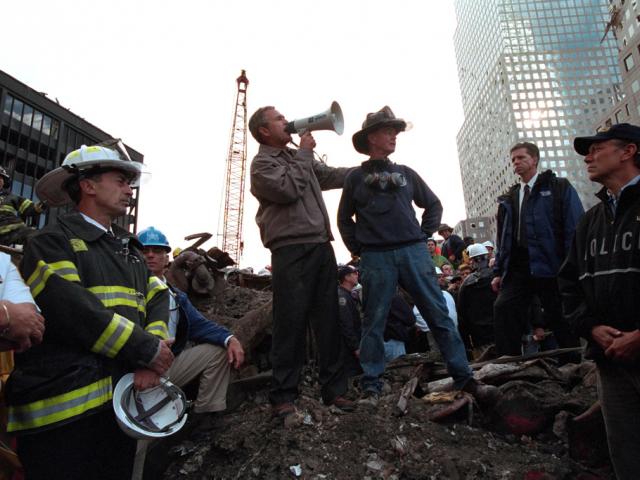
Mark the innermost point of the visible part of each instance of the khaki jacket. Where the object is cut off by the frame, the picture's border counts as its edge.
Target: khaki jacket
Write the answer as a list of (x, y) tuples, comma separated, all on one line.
[(288, 184)]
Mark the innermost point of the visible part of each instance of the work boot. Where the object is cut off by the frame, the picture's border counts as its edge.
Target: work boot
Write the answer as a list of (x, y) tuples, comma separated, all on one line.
[(343, 404), (206, 421), (370, 398), (281, 410), (485, 395)]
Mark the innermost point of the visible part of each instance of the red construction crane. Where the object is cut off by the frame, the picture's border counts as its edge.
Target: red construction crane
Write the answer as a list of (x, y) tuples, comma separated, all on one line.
[(236, 167)]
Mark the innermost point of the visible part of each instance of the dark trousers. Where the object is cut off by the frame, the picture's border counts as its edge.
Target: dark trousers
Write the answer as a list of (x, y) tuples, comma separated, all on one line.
[(93, 447), (511, 312), (619, 394), (304, 282)]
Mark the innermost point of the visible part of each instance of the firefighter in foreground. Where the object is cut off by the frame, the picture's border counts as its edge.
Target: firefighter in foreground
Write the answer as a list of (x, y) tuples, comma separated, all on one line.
[(14, 210), (106, 316)]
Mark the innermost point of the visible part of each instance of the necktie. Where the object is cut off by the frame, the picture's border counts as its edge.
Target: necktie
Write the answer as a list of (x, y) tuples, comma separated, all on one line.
[(522, 227)]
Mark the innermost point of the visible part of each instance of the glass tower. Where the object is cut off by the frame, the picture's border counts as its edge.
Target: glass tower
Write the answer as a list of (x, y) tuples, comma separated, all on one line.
[(530, 71)]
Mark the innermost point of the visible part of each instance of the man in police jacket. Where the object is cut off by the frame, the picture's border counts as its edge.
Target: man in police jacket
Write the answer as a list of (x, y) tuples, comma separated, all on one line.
[(600, 282)]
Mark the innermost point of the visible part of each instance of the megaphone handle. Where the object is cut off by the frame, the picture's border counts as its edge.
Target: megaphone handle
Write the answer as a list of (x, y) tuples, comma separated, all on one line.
[(321, 159)]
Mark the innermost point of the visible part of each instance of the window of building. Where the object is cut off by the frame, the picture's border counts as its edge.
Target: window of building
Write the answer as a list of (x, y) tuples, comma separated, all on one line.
[(37, 120), (7, 104), (17, 110)]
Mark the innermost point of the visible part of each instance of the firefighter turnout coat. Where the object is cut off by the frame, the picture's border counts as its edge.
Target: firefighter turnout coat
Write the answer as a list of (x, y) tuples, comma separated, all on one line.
[(104, 314), (13, 211)]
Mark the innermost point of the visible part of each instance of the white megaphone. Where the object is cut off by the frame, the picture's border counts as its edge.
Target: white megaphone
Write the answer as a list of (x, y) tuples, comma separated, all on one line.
[(330, 119)]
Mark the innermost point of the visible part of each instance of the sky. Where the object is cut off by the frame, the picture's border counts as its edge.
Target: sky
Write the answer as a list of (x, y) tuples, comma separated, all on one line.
[(161, 76)]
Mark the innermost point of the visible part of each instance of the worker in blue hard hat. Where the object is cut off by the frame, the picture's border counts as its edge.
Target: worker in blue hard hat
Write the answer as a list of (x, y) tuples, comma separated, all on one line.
[(216, 349)]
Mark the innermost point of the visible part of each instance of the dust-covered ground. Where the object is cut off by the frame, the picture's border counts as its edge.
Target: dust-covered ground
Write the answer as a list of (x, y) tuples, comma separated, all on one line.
[(323, 443), (527, 435)]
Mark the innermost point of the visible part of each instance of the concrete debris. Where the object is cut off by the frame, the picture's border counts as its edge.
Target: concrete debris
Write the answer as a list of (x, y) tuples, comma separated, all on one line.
[(296, 470), (542, 428)]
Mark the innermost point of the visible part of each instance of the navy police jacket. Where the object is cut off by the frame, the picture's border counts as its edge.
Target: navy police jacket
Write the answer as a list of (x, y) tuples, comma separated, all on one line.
[(600, 279)]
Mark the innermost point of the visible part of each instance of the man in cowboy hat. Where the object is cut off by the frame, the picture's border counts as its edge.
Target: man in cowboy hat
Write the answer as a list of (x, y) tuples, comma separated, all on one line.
[(392, 249), (453, 245)]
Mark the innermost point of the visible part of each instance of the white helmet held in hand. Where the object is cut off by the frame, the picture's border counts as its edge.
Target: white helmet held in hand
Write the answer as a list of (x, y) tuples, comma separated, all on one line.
[(153, 413), (51, 188), (476, 250)]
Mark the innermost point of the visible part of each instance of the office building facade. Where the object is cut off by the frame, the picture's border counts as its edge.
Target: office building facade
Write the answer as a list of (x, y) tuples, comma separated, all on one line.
[(36, 134), (477, 228), (624, 28), (529, 71)]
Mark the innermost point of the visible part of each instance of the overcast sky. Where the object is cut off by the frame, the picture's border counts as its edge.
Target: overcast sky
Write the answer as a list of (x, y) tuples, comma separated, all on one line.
[(161, 75)]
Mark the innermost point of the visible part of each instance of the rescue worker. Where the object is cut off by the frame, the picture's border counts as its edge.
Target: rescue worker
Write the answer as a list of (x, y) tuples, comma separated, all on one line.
[(14, 210), (475, 302), (378, 223), (106, 316), (212, 349), (349, 317)]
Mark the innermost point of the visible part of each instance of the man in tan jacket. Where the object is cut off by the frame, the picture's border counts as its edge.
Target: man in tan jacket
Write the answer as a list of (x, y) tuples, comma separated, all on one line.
[(294, 225)]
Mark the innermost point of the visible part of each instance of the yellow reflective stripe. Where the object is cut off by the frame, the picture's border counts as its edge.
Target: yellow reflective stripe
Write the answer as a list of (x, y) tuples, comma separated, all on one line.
[(114, 296), (61, 407), (38, 279), (24, 205), (114, 336), (159, 329), (8, 209), (9, 228), (154, 285), (66, 270)]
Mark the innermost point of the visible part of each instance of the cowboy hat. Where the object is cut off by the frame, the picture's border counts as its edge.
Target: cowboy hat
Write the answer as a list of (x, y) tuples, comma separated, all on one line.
[(375, 121)]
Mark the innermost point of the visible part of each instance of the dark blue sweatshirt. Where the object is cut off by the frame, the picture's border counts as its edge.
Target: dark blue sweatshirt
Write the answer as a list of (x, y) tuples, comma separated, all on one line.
[(384, 214)]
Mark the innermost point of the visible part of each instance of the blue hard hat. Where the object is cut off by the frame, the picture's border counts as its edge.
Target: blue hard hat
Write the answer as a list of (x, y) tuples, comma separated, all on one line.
[(150, 237)]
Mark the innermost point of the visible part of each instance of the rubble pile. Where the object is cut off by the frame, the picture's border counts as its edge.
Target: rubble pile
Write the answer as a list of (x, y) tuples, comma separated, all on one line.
[(231, 303), (545, 427), (526, 435)]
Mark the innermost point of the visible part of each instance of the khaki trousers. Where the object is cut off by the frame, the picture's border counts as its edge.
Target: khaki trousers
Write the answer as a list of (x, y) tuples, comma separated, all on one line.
[(210, 363)]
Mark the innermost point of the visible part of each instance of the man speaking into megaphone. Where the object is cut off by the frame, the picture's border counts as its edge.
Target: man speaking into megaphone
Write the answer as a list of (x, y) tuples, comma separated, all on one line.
[(294, 225)]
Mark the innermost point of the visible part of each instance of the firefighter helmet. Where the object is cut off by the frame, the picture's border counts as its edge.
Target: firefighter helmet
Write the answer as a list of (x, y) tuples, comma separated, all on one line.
[(153, 413), (150, 237), (51, 187)]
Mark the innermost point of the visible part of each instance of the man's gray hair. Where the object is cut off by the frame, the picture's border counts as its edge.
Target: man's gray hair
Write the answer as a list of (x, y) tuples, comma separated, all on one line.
[(257, 120)]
